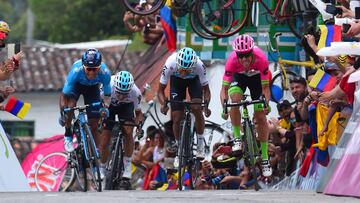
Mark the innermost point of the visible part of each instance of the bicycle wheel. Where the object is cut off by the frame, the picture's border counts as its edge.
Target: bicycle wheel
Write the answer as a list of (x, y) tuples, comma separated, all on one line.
[(93, 159), (213, 133), (220, 18), (115, 165), (79, 164), (280, 88), (53, 173), (183, 149), (145, 8), (195, 25), (252, 151), (297, 21)]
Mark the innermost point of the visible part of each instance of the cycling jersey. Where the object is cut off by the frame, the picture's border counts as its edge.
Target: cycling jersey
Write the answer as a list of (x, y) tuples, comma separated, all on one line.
[(134, 96), (260, 63), (170, 69), (77, 75)]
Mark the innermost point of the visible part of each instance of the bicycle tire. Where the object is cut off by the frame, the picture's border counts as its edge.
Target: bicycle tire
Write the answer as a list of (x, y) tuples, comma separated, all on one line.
[(278, 80), (184, 133), (232, 25), (154, 7), (292, 17), (93, 159), (48, 169), (115, 166), (80, 169), (210, 130), (196, 27), (252, 151)]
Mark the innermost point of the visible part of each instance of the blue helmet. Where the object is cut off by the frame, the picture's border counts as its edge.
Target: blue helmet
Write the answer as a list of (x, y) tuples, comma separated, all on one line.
[(91, 58), (186, 58), (123, 81)]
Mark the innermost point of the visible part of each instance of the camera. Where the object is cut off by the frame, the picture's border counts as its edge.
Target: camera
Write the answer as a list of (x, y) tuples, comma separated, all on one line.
[(333, 10)]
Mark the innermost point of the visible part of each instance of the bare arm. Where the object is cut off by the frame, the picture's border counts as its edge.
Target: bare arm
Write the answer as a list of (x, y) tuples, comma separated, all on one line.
[(161, 93)]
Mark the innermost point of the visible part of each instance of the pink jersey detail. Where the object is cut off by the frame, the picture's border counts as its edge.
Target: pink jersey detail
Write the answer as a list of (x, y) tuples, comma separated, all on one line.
[(233, 65)]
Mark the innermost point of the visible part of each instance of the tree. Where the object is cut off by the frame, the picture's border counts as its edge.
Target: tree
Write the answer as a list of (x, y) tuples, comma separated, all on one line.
[(80, 20)]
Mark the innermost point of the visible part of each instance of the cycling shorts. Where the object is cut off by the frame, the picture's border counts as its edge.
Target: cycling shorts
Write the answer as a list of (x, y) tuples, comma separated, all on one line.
[(91, 94), (178, 88), (251, 80), (124, 111)]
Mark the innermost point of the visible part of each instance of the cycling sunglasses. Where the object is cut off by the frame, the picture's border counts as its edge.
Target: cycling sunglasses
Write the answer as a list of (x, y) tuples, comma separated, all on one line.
[(121, 93), (92, 69), (183, 71), (244, 55)]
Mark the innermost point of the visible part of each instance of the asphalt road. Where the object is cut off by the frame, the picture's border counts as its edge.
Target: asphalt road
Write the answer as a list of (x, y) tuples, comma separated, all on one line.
[(219, 196)]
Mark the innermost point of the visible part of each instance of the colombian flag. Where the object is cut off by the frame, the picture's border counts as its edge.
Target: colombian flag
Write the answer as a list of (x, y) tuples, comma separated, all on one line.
[(169, 24), (322, 81), (17, 107), (329, 33)]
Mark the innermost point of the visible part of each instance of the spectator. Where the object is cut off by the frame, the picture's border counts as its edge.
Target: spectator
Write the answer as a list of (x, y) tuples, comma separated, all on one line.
[(149, 26)]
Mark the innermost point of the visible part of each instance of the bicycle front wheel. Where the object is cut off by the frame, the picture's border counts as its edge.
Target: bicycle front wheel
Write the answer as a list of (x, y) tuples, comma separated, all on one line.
[(146, 8), (183, 154), (280, 87), (115, 165), (93, 159), (252, 151), (53, 173)]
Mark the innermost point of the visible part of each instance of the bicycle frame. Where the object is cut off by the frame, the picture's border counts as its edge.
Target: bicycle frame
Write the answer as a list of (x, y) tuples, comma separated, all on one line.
[(275, 13)]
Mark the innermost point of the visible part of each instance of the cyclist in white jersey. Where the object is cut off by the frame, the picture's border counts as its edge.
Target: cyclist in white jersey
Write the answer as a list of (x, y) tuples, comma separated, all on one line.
[(125, 100), (185, 70)]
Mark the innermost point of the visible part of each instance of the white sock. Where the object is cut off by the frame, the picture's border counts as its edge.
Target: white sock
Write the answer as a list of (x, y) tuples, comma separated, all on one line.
[(200, 138), (127, 159), (102, 165)]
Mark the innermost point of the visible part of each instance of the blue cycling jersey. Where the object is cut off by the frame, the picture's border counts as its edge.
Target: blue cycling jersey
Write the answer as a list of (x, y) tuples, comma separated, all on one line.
[(77, 75)]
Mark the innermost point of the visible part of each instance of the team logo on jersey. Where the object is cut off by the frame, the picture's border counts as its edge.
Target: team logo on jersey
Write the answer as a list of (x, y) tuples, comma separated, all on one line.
[(234, 83), (228, 73), (163, 70), (174, 95)]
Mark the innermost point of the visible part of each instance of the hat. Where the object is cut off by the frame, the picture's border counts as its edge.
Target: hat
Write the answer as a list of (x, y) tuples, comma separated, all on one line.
[(330, 66)]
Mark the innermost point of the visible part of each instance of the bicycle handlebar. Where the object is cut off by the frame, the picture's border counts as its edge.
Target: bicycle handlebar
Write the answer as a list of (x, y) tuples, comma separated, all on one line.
[(123, 122), (243, 103), (187, 103), (66, 110)]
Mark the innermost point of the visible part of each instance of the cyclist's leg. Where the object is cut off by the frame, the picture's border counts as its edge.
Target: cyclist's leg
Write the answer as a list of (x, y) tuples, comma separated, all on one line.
[(178, 93), (106, 135), (92, 94), (126, 111), (236, 90), (69, 101), (196, 93), (255, 87)]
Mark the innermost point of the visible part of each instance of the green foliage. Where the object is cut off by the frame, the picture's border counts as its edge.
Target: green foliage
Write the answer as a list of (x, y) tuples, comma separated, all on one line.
[(77, 20), (137, 43), (13, 12)]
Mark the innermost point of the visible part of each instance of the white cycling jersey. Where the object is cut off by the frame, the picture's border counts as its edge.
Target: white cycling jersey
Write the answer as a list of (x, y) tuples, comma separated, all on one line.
[(134, 96), (170, 68)]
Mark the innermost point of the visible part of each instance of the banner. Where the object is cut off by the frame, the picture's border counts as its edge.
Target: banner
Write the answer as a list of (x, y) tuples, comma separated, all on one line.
[(31, 162), (12, 178)]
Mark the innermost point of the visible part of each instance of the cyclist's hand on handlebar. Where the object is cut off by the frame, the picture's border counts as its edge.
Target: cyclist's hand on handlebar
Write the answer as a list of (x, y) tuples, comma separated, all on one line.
[(104, 112), (164, 109), (224, 115), (207, 112)]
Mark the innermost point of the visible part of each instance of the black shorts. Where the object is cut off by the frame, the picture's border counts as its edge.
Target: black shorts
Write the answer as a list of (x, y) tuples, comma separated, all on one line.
[(178, 90), (124, 111), (91, 94), (246, 80)]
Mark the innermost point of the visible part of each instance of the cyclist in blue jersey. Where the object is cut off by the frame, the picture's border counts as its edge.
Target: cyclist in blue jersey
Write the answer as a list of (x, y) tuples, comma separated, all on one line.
[(85, 78)]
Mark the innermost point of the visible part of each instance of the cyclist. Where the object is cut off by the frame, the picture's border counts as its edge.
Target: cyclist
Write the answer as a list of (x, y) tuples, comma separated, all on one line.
[(84, 78), (125, 100), (247, 66), (185, 70)]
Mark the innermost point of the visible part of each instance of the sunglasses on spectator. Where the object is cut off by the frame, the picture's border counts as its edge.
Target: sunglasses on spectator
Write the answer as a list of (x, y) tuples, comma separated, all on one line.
[(244, 55), (92, 69), (183, 71)]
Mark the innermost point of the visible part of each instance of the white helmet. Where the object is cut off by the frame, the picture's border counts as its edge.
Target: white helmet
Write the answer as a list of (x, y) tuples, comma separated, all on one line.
[(123, 81)]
